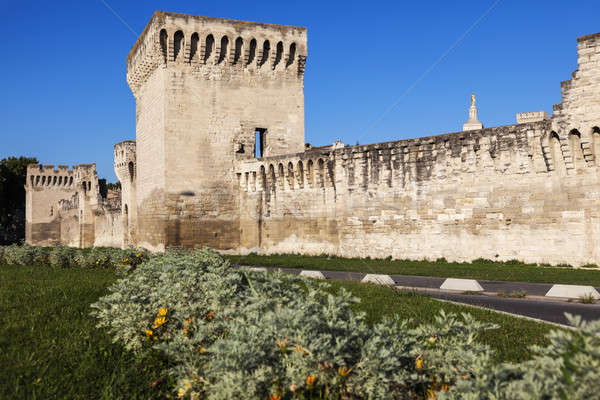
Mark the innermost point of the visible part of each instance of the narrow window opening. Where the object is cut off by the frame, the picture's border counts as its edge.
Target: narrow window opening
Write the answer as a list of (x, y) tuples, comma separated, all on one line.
[(163, 44), (194, 46), (291, 56), (259, 142), (251, 52), (265, 53), (177, 44), (239, 42), (210, 43), (278, 55), (224, 46)]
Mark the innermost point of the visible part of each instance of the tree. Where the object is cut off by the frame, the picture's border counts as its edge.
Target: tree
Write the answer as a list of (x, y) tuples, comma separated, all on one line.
[(113, 186), (13, 173)]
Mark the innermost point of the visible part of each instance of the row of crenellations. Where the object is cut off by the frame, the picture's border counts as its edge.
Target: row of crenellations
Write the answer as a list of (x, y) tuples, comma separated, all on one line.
[(513, 149)]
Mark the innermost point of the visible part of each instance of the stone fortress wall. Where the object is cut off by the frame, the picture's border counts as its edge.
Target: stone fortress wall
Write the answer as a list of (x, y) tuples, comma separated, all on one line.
[(529, 191), (70, 207), (219, 159)]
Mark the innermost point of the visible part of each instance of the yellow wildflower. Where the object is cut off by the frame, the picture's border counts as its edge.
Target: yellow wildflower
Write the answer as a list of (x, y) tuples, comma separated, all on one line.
[(343, 371), (419, 364), (158, 322), (126, 260), (181, 392), (432, 339), (300, 349), (293, 388), (188, 321), (445, 387), (186, 330), (431, 394), (162, 311), (138, 255), (202, 350), (148, 332), (310, 380), (154, 338), (210, 316), (281, 343)]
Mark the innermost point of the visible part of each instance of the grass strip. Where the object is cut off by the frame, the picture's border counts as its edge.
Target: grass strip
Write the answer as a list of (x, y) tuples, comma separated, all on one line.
[(51, 348), (479, 269)]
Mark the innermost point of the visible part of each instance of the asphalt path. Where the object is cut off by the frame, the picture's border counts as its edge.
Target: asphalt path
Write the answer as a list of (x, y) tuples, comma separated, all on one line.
[(546, 310), (542, 309)]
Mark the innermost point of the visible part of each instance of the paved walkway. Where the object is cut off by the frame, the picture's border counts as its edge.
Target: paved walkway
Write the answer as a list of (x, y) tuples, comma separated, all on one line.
[(533, 306)]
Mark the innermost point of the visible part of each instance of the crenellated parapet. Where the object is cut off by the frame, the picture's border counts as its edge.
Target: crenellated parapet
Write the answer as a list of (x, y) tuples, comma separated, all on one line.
[(217, 49), (125, 160), (46, 176), (514, 149)]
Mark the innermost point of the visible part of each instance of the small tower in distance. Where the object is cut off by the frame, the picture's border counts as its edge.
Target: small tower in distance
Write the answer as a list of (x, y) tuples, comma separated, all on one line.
[(473, 123)]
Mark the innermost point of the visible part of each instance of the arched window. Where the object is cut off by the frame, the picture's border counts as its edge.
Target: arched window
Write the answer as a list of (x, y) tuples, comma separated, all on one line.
[(131, 168), (37, 180), (278, 54), (163, 43), (224, 47), (54, 180), (177, 44), (265, 53), (596, 144), (194, 46), (300, 174), (291, 55), (272, 180), (321, 173), (60, 178), (310, 176), (263, 178), (291, 175), (31, 179), (280, 177), (239, 44), (251, 52), (70, 181), (555, 151), (43, 180), (89, 185), (208, 47), (576, 150)]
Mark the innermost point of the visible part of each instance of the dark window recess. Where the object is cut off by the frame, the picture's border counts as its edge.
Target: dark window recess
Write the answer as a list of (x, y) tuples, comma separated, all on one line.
[(259, 142)]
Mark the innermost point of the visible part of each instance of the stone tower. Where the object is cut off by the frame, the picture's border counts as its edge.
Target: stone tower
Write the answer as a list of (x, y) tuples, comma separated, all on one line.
[(209, 92), (125, 169)]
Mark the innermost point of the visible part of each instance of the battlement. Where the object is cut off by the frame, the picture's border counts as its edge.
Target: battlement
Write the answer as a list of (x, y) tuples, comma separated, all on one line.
[(524, 148), (208, 44), (47, 176)]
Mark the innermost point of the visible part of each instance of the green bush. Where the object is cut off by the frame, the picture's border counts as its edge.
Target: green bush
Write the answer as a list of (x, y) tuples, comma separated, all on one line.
[(62, 256)]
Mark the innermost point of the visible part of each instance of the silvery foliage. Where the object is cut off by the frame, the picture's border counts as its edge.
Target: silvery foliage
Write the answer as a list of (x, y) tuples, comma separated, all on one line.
[(568, 368), (64, 256), (246, 334), (187, 284), (23, 255)]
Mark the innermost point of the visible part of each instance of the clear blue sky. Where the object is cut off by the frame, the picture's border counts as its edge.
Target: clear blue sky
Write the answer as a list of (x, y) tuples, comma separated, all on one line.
[(64, 97)]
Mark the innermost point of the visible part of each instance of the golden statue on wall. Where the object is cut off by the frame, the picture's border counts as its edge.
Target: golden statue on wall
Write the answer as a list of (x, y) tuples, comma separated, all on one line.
[(472, 99)]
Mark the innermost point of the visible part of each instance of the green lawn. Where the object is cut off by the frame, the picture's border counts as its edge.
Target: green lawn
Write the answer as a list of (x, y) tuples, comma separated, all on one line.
[(50, 348), (482, 269)]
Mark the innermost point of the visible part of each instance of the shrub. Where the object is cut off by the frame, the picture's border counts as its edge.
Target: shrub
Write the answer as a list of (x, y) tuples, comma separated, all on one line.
[(63, 256), (24, 255), (245, 334)]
